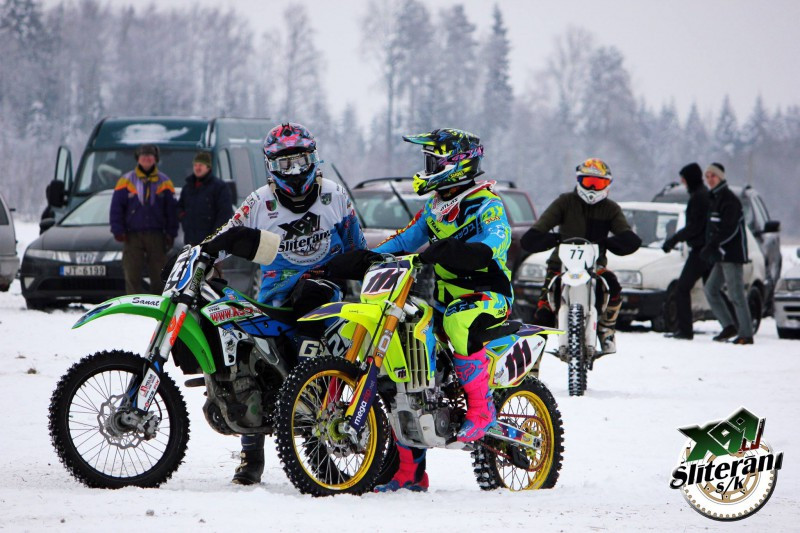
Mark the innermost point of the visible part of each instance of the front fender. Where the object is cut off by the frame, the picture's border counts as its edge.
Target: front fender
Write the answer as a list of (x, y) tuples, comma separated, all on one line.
[(370, 316), (156, 307)]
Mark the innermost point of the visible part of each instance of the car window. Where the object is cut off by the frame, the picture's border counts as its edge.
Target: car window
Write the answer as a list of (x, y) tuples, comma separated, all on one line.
[(749, 216), (763, 214), (382, 209), (3, 215), (242, 170), (101, 170), (653, 227), (94, 211), (518, 207)]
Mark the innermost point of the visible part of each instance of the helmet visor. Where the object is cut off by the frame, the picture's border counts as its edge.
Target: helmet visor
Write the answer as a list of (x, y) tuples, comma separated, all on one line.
[(594, 183), (292, 165)]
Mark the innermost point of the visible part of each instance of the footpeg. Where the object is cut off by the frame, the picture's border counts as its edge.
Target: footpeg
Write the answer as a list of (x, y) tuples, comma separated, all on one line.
[(195, 382)]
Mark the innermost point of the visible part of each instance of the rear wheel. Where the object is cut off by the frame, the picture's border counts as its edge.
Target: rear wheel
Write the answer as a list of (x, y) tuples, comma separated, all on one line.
[(576, 352), (317, 456), (531, 408), (755, 303), (99, 440)]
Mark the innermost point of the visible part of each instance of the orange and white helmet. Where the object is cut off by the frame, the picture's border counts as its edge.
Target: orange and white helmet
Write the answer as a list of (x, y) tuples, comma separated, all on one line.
[(594, 179)]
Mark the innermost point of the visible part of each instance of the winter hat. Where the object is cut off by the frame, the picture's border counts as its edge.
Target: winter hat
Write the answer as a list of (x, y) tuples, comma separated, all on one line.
[(203, 158), (718, 169), (146, 149), (693, 175)]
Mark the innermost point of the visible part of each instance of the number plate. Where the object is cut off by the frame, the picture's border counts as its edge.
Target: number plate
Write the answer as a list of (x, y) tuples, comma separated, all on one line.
[(83, 270)]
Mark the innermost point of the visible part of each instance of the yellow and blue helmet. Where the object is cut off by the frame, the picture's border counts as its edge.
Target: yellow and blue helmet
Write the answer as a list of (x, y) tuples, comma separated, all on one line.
[(452, 158)]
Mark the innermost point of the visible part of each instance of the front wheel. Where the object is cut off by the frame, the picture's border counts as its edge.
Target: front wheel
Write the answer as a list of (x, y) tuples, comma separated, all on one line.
[(576, 351), (90, 428), (319, 458), (531, 408)]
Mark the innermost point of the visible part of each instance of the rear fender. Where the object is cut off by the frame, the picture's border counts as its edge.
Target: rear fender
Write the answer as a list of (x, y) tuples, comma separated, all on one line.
[(156, 307), (515, 356), (369, 315)]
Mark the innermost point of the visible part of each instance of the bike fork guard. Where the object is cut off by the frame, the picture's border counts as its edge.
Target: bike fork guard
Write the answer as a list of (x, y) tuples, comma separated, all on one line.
[(363, 398)]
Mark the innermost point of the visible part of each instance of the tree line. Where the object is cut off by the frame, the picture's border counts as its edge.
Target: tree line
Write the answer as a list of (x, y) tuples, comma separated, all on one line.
[(66, 66)]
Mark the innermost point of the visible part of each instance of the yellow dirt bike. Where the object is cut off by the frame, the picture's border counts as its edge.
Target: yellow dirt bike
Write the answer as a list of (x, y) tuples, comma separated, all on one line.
[(333, 414)]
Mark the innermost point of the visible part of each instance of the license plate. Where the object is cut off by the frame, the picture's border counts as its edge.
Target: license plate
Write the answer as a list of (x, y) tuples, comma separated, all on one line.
[(83, 270)]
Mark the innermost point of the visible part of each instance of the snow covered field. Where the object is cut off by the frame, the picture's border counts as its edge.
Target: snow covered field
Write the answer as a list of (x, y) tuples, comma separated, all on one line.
[(621, 444)]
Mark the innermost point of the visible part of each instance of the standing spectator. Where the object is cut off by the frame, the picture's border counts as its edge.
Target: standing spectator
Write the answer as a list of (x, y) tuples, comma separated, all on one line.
[(205, 203), (726, 249), (144, 217), (693, 234)]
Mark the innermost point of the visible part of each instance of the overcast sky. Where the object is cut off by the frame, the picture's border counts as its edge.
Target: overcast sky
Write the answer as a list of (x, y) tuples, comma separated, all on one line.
[(683, 51)]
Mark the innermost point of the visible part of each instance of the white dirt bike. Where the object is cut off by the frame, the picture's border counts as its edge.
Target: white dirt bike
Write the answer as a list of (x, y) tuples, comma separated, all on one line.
[(576, 289)]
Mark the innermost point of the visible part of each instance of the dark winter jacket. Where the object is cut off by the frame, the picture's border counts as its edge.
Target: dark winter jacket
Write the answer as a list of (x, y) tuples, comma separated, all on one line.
[(205, 205), (576, 218), (144, 202), (694, 232), (726, 239)]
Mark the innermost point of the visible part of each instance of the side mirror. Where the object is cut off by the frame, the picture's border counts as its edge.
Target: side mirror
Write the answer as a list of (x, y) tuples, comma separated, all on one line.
[(55, 193), (45, 224), (232, 186), (772, 226)]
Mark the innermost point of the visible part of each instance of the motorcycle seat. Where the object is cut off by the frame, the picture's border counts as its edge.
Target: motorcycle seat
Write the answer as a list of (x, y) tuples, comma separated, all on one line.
[(508, 328)]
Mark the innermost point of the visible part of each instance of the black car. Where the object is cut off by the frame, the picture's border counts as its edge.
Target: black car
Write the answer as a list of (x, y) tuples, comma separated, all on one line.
[(78, 260), (765, 230)]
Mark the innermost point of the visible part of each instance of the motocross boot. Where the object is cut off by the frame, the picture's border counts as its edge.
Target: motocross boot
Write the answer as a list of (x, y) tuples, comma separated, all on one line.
[(410, 474), (473, 373), (252, 466), (607, 328)]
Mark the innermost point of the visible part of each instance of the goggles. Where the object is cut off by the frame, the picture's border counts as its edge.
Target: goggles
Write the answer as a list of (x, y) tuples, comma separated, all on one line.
[(593, 183), (292, 164), (434, 163)]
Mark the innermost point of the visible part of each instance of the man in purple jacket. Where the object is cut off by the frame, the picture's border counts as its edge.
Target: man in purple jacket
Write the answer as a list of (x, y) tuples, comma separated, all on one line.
[(144, 218)]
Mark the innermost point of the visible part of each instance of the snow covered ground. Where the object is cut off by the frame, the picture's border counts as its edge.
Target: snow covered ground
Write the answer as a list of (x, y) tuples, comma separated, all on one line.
[(621, 443)]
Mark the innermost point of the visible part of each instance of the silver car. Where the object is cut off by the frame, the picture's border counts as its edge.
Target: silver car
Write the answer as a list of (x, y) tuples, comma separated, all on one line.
[(9, 261), (787, 303)]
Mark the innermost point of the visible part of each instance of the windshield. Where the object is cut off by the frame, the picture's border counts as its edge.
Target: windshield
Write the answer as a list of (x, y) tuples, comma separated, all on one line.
[(101, 169), (382, 209), (518, 206), (94, 211), (653, 227)]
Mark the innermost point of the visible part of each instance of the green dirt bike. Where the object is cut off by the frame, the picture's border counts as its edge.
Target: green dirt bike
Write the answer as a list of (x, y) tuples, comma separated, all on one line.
[(333, 414), (118, 419)]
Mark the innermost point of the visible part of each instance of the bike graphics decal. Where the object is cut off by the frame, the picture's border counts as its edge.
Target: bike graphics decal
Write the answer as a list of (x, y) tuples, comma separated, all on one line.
[(515, 362), (304, 243), (726, 471)]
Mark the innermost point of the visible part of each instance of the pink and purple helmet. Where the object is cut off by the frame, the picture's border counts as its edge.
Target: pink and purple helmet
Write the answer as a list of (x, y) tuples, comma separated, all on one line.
[(290, 154)]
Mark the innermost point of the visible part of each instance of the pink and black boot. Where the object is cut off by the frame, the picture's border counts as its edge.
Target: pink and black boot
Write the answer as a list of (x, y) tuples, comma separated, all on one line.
[(473, 373), (410, 474)]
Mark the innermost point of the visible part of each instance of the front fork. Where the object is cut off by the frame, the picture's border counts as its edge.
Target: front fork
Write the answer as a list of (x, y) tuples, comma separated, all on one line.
[(140, 392)]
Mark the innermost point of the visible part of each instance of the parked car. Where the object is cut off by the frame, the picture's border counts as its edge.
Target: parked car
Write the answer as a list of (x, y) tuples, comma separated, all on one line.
[(78, 260), (765, 230), (649, 276), (9, 261), (787, 303)]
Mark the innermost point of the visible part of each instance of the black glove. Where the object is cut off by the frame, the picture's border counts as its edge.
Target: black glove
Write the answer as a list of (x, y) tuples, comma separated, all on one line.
[(538, 241), (457, 255), (351, 265), (668, 245), (238, 240)]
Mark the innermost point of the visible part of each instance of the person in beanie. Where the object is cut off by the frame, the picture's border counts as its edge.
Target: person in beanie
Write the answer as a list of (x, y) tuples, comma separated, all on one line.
[(694, 235), (726, 250), (144, 217), (205, 203)]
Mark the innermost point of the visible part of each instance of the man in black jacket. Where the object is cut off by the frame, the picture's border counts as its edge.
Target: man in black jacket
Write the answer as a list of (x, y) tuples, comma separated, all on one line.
[(693, 234), (726, 249), (586, 212), (205, 203)]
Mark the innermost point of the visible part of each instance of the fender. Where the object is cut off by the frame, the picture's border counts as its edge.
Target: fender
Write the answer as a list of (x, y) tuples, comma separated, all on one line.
[(156, 307), (369, 315)]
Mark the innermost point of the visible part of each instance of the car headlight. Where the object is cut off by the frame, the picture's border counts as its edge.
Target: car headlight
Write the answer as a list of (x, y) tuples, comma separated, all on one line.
[(107, 257), (52, 255), (629, 278), (532, 272), (788, 285)]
